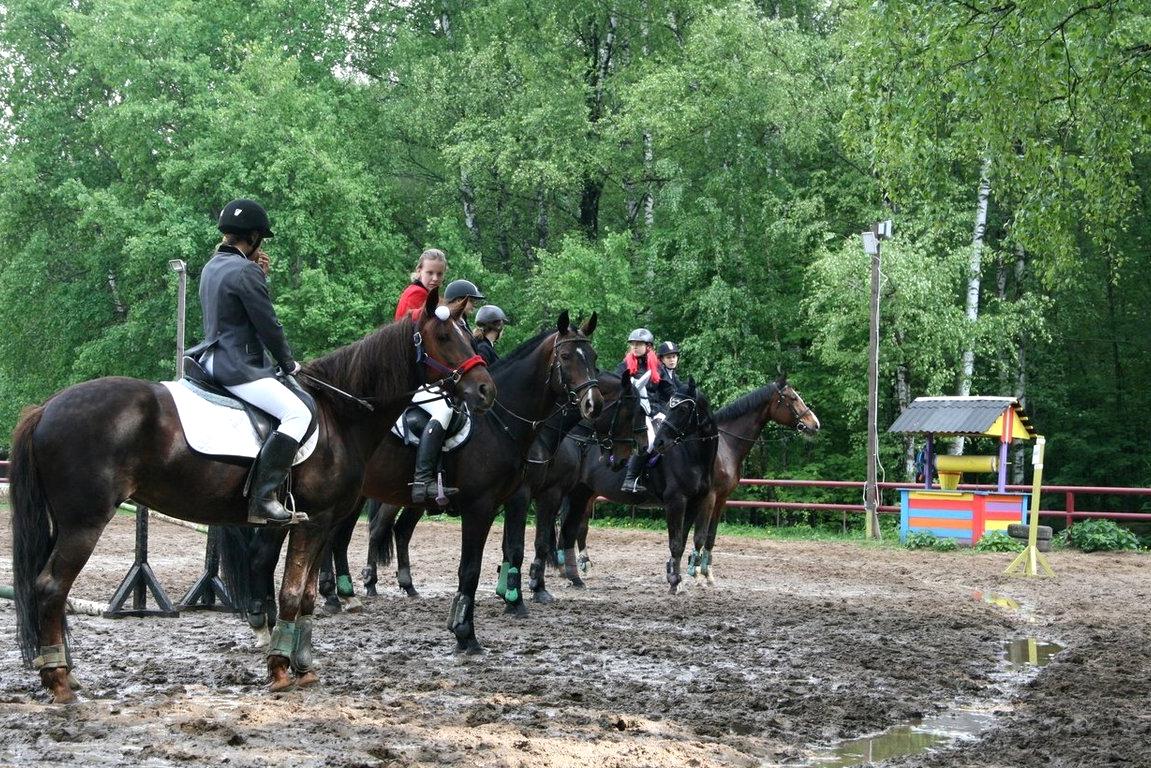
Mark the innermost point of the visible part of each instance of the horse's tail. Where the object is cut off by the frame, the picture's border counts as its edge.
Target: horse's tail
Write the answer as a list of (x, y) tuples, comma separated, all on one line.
[(236, 553), (381, 533), (33, 532)]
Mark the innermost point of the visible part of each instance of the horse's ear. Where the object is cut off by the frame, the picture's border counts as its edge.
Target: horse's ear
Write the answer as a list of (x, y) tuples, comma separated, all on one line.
[(589, 327), (691, 385), (432, 302), (781, 380), (564, 323)]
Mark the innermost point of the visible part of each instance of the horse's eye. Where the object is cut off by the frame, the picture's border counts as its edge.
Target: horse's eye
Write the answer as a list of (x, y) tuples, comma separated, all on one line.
[(566, 356)]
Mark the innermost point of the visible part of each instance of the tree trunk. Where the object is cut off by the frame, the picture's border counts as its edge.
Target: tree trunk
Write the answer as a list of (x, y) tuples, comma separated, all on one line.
[(117, 304), (468, 200), (903, 395), (1019, 467), (974, 269)]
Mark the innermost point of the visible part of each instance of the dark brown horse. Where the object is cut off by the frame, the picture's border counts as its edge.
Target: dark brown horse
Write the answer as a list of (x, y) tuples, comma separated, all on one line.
[(550, 373), (679, 481), (96, 444), (740, 425)]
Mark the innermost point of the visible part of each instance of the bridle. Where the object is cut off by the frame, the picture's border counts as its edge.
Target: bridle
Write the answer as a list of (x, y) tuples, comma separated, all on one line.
[(692, 421), (782, 398), (573, 393), (450, 375)]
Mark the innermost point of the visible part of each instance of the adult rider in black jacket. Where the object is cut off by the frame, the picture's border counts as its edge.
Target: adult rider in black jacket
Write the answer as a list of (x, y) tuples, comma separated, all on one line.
[(239, 324)]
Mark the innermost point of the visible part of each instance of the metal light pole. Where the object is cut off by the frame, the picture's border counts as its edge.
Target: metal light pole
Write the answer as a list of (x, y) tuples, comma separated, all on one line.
[(879, 232), (180, 268)]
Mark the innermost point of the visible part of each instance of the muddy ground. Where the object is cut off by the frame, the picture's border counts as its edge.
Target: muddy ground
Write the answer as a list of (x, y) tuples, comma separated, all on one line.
[(800, 644)]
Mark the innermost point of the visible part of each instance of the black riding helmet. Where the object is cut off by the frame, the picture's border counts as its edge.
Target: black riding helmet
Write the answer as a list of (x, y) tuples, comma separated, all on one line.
[(461, 289), (491, 314), (667, 348), (242, 216)]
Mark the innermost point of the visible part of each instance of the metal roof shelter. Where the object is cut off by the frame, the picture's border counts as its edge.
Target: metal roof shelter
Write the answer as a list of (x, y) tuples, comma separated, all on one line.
[(967, 416), (998, 417)]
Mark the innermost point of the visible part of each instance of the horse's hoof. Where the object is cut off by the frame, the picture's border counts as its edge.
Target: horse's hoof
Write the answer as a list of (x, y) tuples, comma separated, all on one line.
[(282, 686), (279, 676), (577, 583), (74, 684), (370, 591), (353, 604), (331, 606), (542, 596), (411, 591), (67, 698), (519, 610), (308, 678)]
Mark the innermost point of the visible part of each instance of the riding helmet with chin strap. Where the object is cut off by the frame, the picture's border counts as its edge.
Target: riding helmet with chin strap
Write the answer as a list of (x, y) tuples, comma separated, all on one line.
[(667, 348), (491, 314), (641, 334), (462, 289), (242, 216)]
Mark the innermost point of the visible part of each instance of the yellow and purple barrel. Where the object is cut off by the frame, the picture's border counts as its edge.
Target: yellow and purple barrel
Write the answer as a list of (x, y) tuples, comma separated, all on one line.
[(960, 515)]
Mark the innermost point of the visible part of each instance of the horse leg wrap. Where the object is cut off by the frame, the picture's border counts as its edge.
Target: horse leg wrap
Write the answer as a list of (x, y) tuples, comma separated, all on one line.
[(673, 577), (571, 563), (368, 576), (52, 657), (257, 619), (692, 562), (560, 556), (459, 616), (535, 575), (283, 641), (512, 594), (344, 586), (502, 581), (303, 657), (584, 562), (705, 562)]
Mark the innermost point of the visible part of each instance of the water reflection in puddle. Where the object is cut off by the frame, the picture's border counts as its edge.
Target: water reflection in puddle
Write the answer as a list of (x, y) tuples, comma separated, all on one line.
[(944, 729)]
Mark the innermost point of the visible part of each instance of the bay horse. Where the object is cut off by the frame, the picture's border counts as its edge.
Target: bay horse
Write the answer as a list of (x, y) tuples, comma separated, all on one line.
[(561, 447), (680, 481), (551, 372), (96, 444), (740, 424)]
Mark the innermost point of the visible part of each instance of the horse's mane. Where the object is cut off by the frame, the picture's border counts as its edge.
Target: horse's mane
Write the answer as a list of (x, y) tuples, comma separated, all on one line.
[(522, 351), (752, 401), (371, 367)]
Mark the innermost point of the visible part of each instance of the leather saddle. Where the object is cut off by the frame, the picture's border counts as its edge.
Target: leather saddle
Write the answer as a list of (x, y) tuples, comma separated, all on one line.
[(262, 422)]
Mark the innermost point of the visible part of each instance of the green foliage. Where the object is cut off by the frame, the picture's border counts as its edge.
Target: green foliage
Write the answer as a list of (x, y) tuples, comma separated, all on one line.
[(1099, 536), (700, 168), (998, 541), (926, 540)]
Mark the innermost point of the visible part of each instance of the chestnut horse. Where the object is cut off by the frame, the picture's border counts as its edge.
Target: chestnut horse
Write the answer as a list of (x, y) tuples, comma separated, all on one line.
[(96, 444)]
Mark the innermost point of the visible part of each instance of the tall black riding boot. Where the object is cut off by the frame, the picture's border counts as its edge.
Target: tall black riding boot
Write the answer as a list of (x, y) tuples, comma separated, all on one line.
[(272, 467), (427, 458), (634, 470)]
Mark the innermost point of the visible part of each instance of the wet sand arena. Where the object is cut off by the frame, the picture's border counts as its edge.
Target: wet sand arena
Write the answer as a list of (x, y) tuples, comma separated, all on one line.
[(800, 644)]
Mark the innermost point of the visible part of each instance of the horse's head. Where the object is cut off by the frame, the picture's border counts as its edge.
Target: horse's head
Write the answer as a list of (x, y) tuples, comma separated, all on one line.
[(687, 415), (444, 348), (572, 371), (621, 422), (788, 409)]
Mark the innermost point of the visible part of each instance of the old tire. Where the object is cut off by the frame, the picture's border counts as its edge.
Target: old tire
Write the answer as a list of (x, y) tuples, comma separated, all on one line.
[(1020, 531)]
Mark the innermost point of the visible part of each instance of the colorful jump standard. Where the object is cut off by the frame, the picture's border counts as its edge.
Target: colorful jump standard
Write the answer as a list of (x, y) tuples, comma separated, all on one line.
[(1031, 559)]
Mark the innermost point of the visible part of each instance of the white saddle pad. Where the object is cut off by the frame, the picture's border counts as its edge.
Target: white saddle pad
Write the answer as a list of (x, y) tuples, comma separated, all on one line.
[(222, 430)]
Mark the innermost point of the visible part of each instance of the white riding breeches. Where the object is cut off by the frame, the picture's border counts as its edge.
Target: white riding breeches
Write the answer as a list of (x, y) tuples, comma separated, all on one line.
[(435, 402), (273, 398)]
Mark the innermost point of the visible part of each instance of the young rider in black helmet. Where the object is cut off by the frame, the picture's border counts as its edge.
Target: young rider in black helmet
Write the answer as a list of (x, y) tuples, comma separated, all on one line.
[(239, 324), (668, 354)]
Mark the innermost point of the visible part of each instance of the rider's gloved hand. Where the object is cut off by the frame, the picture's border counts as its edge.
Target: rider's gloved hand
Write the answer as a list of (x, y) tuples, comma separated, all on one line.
[(291, 370)]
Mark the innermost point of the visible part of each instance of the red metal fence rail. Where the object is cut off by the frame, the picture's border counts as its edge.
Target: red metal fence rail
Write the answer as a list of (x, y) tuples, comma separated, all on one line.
[(1069, 513)]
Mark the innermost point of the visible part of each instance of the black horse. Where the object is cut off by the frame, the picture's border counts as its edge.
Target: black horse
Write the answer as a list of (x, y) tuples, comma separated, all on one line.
[(740, 424), (96, 444), (552, 372), (612, 436), (679, 481)]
